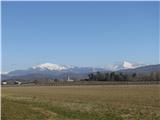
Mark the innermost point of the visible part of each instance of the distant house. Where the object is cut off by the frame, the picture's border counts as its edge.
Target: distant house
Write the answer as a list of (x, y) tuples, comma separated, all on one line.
[(4, 83), (69, 80), (17, 82)]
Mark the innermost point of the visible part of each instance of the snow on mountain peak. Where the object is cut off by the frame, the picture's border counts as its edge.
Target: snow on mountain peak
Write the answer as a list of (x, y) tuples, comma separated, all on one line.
[(49, 66), (127, 65), (112, 67)]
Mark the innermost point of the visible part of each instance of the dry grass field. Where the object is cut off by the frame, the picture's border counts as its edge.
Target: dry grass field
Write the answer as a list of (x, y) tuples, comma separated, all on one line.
[(100, 102)]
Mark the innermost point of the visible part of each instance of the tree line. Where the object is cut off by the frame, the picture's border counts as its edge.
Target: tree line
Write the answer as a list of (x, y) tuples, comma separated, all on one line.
[(119, 76)]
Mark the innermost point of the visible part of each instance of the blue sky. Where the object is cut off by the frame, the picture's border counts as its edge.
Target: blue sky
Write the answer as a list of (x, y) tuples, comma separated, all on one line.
[(78, 33)]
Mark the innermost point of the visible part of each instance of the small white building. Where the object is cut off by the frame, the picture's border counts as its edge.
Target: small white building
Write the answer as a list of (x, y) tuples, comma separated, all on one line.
[(4, 83), (69, 80)]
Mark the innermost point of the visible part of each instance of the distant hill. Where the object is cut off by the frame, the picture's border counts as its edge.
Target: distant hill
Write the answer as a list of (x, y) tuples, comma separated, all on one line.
[(47, 71), (142, 70)]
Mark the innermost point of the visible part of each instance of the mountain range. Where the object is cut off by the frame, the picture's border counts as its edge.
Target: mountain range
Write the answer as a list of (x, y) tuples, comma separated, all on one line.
[(48, 70)]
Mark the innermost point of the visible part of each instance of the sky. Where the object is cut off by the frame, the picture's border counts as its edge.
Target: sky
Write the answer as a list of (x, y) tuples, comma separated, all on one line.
[(79, 33)]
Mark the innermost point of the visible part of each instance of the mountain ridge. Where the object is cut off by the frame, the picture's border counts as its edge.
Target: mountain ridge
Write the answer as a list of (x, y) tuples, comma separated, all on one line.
[(49, 67), (58, 71)]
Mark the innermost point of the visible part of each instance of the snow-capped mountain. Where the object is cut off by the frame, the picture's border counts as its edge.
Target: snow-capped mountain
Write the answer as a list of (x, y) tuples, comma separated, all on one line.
[(54, 70), (49, 69), (126, 65), (58, 67), (52, 67)]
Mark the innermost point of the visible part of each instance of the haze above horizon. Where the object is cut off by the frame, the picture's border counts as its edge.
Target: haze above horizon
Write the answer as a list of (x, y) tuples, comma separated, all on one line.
[(79, 33)]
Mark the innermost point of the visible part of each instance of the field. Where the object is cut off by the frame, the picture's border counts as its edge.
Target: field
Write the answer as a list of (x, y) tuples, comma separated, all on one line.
[(99, 102)]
